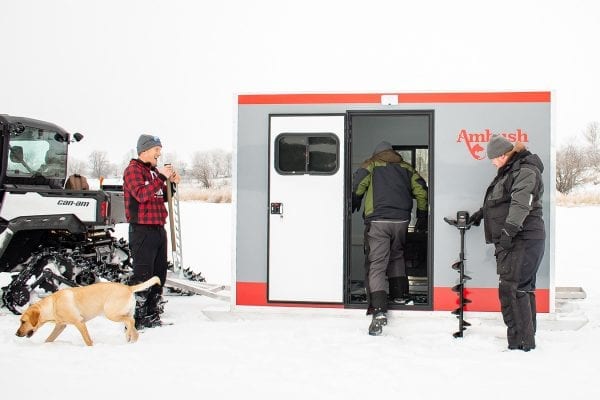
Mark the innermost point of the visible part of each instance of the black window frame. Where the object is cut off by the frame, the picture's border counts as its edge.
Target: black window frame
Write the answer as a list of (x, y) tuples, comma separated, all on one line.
[(413, 158), (307, 136)]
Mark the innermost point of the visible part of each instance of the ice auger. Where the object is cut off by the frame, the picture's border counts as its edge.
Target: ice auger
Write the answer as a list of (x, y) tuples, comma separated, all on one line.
[(462, 224)]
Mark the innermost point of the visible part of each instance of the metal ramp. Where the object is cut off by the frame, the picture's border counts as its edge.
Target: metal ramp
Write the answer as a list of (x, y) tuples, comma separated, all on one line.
[(569, 315), (176, 279), (570, 292), (215, 291)]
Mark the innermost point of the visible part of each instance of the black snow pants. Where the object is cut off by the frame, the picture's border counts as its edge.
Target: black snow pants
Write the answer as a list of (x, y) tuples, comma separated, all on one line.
[(148, 245), (517, 269)]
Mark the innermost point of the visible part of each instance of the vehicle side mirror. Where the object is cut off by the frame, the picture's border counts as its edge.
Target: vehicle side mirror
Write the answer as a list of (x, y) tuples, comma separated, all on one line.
[(78, 136), (16, 154)]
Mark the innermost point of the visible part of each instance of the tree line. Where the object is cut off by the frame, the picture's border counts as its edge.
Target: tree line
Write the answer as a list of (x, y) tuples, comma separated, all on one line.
[(204, 168), (578, 163)]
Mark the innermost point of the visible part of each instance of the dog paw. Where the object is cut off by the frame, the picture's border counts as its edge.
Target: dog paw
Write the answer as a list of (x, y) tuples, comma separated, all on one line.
[(132, 336)]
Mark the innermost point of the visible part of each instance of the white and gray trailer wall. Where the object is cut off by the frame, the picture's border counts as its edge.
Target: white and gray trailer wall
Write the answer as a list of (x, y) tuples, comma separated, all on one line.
[(297, 242)]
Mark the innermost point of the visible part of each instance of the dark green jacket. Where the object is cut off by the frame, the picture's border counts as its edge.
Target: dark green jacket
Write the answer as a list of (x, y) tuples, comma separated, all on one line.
[(388, 185)]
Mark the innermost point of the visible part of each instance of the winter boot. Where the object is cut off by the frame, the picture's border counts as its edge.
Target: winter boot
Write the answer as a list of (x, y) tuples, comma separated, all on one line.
[(399, 291), (154, 307), (379, 304), (508, 306), (377, 323), (141, 309), (525, 322)]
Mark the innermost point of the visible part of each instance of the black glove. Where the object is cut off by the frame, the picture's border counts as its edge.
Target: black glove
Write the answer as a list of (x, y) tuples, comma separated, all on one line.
[(506, 237), (476, 217), (356, 202), (505, 241), (421, 224)]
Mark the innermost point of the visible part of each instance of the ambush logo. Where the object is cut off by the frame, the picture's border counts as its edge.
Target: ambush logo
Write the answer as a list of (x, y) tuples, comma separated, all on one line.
[(474, 140)]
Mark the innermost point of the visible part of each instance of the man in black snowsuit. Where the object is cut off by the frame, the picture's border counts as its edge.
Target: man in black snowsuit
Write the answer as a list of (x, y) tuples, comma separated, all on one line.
[(388, 185), (512, 214)]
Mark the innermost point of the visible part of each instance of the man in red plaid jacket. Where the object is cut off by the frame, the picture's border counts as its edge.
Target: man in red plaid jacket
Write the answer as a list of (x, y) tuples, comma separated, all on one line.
[(145, 188)]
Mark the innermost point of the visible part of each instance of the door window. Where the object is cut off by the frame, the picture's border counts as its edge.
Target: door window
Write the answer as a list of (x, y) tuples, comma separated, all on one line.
[(416, 156), (314, 154)]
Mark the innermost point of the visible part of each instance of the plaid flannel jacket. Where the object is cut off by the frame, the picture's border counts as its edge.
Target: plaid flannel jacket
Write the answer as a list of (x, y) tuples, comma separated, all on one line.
[(145, 194)]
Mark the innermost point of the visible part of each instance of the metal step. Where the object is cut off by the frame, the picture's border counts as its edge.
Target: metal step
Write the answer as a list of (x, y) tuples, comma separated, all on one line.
[(215, 291), (570, 292)]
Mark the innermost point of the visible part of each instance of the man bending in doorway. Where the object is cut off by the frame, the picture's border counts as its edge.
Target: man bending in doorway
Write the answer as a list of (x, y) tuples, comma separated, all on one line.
[(388, 185)]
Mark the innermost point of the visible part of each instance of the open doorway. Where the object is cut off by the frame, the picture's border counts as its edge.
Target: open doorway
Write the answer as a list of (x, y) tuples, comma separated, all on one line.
[(411, 136)]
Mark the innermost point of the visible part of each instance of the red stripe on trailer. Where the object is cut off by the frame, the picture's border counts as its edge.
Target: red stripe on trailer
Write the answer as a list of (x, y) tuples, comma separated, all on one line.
[(375, 98), (483, 299), (308, 98), (444, 299), (255, 294), (475, 97), (251, 293)]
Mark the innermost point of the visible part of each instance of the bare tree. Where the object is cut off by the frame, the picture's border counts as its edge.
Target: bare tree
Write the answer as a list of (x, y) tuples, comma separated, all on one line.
[(127, 157), (208, 165), (221, 161), (592, 134), (99, 164), (592, 153), (173, 159), (571, 165), (202, 168), (76, 166), (114, 169)]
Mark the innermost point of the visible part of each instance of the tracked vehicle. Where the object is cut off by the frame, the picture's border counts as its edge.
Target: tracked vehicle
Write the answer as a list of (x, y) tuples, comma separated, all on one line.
[(51, 236)]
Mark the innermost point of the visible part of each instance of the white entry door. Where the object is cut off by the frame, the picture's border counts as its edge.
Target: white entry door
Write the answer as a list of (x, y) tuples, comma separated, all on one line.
[(306, 216)]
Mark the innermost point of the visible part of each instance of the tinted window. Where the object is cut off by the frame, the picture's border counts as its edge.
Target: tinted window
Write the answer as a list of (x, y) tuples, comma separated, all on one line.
[(322, 154), (291, 154), (36, 152), (306, 153)]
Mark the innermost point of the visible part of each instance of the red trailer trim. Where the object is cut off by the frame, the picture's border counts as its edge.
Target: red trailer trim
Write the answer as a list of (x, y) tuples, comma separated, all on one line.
[(375, 98), (255, 294), (444, 299), (483, 299)]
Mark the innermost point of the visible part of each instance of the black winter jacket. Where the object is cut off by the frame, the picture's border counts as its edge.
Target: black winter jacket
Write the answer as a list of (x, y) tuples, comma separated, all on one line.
[(389, 185), (513, 201)]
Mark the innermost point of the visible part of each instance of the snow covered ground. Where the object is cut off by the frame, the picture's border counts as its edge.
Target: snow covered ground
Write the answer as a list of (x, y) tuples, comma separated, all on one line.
[(315, 353)]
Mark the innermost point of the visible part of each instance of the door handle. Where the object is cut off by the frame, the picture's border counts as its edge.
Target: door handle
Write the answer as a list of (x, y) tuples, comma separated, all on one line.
[(277, 208)]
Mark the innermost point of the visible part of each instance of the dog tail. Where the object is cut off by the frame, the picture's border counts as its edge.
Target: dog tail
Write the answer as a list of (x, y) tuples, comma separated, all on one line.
[(155, 280)]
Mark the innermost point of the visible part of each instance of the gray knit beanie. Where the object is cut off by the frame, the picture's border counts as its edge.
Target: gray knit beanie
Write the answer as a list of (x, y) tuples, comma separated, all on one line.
[(498, 146), (146, 142), (383, 146)]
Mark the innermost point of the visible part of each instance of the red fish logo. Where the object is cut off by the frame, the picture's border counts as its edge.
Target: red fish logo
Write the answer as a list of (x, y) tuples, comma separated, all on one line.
[(473, 140)]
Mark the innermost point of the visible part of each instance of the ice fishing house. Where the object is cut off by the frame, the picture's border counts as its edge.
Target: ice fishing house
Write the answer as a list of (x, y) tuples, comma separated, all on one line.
[(297, 243)]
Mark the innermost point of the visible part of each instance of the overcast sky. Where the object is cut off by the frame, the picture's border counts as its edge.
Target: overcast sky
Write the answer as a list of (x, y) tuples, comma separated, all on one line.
[(114, 69)]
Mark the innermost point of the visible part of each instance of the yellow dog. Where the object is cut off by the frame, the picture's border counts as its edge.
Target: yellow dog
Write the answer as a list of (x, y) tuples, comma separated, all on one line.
[(78, 305)]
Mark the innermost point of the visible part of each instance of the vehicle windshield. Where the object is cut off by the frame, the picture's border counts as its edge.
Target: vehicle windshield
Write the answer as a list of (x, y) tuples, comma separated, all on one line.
[(35, 152)]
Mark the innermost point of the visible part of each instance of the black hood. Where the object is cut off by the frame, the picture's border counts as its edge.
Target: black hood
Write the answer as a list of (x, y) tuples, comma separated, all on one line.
[(524, 157), (532, 159)]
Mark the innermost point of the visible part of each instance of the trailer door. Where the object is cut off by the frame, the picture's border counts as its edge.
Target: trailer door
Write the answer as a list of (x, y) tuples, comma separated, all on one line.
[(306, 215)]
